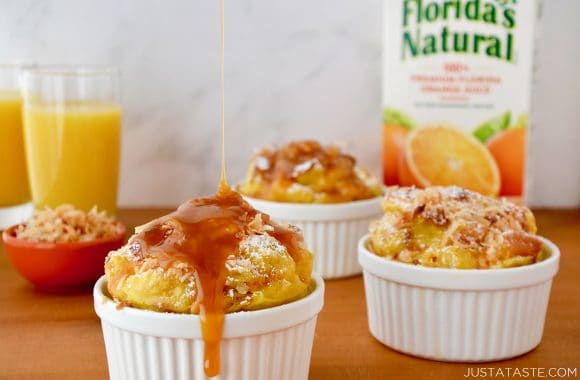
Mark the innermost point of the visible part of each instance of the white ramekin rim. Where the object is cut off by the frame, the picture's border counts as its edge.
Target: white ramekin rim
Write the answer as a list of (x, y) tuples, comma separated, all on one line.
[(319, 211), (460, 279), (240, 324)]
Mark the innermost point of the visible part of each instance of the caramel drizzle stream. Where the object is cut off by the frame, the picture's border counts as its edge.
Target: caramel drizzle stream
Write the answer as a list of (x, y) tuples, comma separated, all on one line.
[(206, 232), (210, 283), (223, 184)]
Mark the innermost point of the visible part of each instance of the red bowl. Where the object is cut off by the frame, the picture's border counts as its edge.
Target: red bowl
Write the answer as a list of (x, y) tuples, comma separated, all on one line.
[(60, 265)]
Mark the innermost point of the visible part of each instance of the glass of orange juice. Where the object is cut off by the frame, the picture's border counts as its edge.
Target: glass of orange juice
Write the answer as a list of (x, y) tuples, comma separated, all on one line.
[(72, 128), (14, 192)]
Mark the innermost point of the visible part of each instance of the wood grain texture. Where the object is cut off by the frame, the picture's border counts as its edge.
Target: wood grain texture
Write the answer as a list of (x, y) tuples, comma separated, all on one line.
[(47, 336)]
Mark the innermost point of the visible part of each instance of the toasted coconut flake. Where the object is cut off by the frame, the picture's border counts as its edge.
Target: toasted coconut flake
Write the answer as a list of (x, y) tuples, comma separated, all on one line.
[(65, 224)]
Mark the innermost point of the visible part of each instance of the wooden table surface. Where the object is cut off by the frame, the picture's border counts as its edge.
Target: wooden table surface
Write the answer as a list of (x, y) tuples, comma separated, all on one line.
[(44, 336)]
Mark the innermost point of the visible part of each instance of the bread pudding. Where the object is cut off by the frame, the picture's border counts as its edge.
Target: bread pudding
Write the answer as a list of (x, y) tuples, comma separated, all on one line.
[(265, 264), (450, 227), (307, 172), (211, 256)]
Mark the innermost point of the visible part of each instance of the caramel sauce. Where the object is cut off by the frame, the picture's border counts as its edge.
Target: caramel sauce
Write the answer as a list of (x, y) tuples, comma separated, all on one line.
[(223, 184), (206, 232), (308, 172), (294, 158)]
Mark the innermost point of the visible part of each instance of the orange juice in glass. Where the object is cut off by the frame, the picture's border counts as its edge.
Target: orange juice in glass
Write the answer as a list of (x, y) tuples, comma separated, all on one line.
[(72, 128), (14, 190)]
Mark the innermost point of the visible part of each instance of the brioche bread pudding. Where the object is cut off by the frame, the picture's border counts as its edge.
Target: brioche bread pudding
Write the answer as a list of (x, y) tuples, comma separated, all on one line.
[(211, 256), (452, 275), (450, 227), (307, 172)]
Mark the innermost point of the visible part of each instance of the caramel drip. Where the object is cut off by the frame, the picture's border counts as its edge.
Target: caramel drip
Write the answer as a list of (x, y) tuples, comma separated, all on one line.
[(284, 163), (331, 175), (206, 232), (223, 184), (289, 236)]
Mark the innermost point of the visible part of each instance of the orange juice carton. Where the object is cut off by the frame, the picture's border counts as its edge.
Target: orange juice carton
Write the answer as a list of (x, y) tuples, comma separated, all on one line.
[(457, 93)]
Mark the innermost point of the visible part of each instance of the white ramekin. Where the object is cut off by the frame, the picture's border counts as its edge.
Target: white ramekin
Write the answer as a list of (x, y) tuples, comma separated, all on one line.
[(331, 231), (464, 315), (273, 343)]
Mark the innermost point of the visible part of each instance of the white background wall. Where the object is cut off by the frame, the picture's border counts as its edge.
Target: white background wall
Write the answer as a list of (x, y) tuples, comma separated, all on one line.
[(295, 69), (554, 167)]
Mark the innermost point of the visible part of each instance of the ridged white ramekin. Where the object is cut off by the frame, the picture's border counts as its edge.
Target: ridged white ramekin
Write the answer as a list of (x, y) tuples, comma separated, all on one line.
[(273, 343), (331, 231), (464, 315)]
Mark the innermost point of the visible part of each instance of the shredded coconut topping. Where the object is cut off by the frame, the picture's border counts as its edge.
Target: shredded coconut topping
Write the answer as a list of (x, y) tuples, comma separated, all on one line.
[(65, 224)]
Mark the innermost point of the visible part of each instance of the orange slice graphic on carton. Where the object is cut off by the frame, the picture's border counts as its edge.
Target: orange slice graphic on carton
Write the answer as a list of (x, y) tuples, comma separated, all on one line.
[(441, 155), (508, 148)]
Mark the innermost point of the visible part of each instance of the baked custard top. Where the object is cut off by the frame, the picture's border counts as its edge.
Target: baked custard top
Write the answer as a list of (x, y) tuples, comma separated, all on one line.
[(307, 172), (451, 227)]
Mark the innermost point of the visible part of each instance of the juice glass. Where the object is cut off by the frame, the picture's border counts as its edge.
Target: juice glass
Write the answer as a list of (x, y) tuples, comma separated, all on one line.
[(14, 191), (72, 127)]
